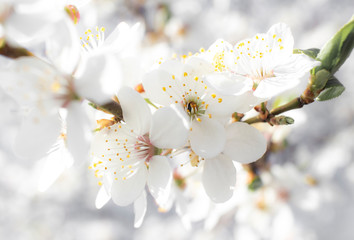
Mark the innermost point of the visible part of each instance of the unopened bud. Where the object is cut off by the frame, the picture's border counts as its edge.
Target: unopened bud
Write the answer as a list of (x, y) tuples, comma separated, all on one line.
[(139, 88), (73, 13), (281, 120), (179, 180)]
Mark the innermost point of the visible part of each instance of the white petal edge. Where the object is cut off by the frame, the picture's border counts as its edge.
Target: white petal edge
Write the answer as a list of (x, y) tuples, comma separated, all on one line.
[(98, 78), (63, 49), (55, 162), (136, 112), (140, 206), (169, 127), (160, 179), (244, 144), (219, 178), (79, 132), (102, 198)]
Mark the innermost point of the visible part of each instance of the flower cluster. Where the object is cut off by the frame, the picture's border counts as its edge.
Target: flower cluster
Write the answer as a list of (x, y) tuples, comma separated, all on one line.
[(187, 134)]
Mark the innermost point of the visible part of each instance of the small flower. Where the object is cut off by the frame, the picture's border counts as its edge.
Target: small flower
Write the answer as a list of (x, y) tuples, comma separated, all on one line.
[(127, 155), (180, 83), (266, 60)]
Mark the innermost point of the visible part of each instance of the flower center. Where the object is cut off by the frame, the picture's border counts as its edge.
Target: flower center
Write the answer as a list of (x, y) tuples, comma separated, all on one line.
[(92, 39), (145, 149), (218, 62), (259, 76), (122, 152), (194, 108)]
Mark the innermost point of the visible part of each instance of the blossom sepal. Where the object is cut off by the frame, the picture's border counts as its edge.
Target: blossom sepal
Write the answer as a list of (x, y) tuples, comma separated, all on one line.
[(334, 88), (311, 52)]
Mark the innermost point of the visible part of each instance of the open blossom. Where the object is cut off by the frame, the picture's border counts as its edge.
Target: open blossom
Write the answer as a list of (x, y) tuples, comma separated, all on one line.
[(180, 83), (27, 22), (266, 62), (45, 88), (126, 154)]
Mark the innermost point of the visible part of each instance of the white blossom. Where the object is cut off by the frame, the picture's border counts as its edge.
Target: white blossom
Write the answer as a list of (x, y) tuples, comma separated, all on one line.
[(266, 61), (180, 83), (127, 153)]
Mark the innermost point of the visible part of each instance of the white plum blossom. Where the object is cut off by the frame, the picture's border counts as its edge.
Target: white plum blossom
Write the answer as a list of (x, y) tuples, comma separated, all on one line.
[(126, 154), (43, 89), (266, 61), (244, 144), (123, 45), (174, 82), (28, 22)]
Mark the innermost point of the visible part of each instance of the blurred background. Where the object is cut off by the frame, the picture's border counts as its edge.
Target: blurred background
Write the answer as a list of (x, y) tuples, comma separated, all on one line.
[(307, 179)]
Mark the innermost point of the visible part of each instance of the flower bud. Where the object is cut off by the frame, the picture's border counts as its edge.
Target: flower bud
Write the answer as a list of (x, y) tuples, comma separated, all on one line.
[(139, 88), (73, 13)]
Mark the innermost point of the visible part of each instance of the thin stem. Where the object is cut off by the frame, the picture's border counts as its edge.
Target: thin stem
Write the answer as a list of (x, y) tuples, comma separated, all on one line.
[(293, 104)]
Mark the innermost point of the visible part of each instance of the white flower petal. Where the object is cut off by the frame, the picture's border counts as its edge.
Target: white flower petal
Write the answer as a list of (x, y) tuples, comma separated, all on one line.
[(159, 179), (280, 34), (126, 191), (140, 205), (219, 178), (228, 84), (79, 132), (296, 66), (225, 106), (34, 84), (174, 67), (169, 127), (136, 112), (207, 137), (98, 78), (124, 38), (244, 144), (102, 198), (37, 134), (273, 86), (57, 160), (64, 49), (27, 29), (155, 83), (196, 66)]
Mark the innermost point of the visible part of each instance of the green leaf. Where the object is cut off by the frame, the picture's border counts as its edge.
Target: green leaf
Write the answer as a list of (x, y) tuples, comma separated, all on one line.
[(311, 52), (337, 49), (333, 89)]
